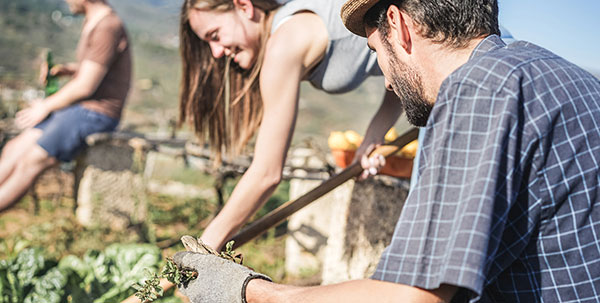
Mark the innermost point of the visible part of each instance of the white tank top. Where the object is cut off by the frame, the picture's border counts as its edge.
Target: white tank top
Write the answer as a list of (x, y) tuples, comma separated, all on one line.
[(347, 61)]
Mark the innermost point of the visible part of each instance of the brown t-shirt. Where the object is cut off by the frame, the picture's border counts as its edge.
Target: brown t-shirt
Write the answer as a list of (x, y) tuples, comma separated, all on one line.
[(107, 44)]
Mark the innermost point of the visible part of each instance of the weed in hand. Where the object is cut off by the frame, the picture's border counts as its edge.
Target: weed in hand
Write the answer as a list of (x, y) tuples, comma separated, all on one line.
[(151, 289)]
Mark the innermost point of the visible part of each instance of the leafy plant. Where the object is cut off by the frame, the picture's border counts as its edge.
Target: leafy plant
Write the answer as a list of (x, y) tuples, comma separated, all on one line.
[(178, 275), (229, 254), (151, 290), (99, 277), (19, 275)]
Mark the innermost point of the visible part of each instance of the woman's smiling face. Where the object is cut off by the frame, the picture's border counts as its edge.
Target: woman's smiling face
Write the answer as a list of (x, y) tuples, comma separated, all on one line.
[(233, 33)]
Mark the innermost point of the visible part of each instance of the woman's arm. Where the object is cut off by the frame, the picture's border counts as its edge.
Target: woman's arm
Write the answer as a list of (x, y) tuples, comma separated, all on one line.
[(290, 53), (294, 48)]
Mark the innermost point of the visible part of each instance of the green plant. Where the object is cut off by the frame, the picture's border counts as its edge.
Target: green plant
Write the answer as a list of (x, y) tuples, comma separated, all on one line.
[(178, 275), (151, 290), (99, 277), (229, 253)]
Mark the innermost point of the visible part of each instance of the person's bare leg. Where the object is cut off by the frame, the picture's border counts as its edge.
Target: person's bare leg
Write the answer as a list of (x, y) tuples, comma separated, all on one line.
[(15, 149), (33, 162)]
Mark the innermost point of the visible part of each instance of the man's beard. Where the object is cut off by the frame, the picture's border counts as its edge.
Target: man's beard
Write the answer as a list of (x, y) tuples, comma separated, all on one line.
[(408, 86)]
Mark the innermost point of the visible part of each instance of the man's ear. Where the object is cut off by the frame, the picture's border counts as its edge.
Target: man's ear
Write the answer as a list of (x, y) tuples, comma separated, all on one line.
[(246, 7), (399, 33)]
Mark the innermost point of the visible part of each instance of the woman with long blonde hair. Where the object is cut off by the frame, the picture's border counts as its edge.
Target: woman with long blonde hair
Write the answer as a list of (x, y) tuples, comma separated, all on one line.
[(243, 61)]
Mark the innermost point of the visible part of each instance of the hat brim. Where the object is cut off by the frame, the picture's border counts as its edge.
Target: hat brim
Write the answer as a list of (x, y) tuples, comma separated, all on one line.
[(353, 15)]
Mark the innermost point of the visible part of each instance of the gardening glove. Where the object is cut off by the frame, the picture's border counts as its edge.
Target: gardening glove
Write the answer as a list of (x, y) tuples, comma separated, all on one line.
[(219, 280)]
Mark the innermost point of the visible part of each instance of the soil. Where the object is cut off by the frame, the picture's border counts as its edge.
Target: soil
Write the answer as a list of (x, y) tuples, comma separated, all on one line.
[(55, 185)]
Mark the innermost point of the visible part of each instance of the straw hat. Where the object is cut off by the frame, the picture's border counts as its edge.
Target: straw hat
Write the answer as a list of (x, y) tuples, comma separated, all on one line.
[(353, 14)]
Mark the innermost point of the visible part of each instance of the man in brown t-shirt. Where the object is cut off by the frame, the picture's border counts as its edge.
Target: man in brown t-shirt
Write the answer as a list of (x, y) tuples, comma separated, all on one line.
[(55, 127)]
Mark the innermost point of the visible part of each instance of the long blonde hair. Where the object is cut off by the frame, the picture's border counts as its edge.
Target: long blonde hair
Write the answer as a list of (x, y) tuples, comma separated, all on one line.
[(222, 103)]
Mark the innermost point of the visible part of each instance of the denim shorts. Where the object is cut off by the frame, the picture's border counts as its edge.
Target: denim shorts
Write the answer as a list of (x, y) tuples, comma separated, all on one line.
[(64, 131)]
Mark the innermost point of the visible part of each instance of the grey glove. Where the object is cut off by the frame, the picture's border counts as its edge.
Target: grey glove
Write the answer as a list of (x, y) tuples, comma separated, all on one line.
[(219, 280)]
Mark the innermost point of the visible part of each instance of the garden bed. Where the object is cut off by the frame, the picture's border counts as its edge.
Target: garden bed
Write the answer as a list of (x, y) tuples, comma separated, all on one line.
[(51, 235)]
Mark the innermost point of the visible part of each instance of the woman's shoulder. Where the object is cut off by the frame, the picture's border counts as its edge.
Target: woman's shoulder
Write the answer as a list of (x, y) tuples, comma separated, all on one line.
[(301, 24), (303, 35)]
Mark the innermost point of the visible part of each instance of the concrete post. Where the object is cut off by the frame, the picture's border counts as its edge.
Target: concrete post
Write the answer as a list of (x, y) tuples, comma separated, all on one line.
[(343, 234)]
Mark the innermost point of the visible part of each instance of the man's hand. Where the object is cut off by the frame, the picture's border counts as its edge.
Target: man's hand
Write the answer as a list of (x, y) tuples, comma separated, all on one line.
[(43, 73), (32, 115), (60, 70), (219, 280)]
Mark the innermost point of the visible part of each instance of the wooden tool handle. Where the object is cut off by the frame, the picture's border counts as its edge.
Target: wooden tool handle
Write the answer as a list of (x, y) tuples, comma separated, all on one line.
[(285, 210)]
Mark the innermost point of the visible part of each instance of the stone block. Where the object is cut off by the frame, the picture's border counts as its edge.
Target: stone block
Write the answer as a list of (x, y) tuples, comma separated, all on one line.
[(109, 186), (309, 228)]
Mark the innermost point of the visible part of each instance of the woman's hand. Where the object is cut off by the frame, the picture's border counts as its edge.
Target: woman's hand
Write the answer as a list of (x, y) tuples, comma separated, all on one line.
[(371, 163), (387, 114)]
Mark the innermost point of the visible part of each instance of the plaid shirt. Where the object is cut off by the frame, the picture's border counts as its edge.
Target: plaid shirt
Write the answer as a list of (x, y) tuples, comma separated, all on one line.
[(507, 205)]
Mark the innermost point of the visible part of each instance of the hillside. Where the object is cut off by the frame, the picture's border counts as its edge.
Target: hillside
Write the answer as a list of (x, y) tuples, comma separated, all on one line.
[(26, 26), (29, 26)]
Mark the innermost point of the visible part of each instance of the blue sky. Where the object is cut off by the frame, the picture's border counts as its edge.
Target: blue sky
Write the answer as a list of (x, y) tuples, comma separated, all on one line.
[(571, 29)]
